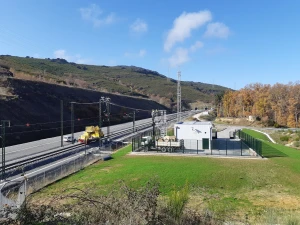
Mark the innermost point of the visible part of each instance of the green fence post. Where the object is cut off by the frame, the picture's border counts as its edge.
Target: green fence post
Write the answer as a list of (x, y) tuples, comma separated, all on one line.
[(197, 146), (241, 147), (226, 146)]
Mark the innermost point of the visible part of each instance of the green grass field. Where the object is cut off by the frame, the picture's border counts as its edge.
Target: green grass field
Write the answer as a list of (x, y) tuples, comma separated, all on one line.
[(256, 135), (230, 188), (269, 149)]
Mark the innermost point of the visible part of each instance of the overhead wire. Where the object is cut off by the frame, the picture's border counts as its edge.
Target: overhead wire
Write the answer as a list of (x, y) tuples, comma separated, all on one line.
[(20, 125), (146, 110)]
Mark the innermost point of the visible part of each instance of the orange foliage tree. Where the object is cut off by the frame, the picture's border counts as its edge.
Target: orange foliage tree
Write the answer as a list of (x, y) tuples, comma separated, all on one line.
[(279, 103)]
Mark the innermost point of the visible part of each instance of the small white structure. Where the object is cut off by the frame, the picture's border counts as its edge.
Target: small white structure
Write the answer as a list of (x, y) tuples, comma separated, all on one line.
[(251, 118), (196, 135)]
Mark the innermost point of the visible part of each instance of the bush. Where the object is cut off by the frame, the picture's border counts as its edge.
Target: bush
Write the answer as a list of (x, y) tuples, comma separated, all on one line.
[(284, 138), (296, 144), (177, 201), (121, 206)]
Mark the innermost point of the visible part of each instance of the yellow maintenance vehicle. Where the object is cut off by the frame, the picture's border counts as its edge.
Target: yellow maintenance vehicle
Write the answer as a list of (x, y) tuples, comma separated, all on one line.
[(92, 133)]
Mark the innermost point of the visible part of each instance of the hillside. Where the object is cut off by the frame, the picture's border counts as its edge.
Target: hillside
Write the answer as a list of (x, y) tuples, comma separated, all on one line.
[(127, 80), (33, 109)]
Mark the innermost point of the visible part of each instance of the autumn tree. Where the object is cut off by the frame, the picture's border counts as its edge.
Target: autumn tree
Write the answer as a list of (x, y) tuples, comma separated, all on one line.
[(279, 103)]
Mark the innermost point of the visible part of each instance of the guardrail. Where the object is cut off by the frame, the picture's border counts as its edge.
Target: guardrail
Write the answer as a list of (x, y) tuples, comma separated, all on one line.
[(39, 157)]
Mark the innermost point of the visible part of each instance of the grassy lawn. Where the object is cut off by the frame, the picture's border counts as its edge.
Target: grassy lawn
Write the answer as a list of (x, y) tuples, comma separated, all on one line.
[(269, 149), (256, 134), (230, 188)]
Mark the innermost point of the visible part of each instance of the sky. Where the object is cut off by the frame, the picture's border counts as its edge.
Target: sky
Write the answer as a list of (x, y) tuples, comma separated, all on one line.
[(231, 43)]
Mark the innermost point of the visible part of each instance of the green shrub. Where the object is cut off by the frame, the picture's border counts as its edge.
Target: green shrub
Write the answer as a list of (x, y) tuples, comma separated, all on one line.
[(177, 201), (293, 221), (296, 144), (276, 125), (284, 138), (170, 132), (297, 139)]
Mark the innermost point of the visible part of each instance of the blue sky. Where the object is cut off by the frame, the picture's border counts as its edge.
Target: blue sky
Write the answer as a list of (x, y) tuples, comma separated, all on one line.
[(230, 43)]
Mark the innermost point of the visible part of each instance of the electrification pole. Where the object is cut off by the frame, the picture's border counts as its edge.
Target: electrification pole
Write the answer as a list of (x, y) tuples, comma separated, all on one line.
[(3, 122), (153, 123), (179, 97), (100, 110), (133, 122), (62, 122), (72, 121), (108, 116), (100, 119)]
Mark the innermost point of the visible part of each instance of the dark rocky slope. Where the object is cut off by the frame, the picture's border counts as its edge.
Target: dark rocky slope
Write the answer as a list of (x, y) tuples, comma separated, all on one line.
[(34, 109)]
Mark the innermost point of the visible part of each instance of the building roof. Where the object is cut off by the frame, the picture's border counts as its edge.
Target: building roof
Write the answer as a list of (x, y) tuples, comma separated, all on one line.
[(196, 123)]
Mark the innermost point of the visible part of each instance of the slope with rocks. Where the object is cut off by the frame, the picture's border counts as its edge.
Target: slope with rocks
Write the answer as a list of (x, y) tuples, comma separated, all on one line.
[(127, 80), (33, 109)]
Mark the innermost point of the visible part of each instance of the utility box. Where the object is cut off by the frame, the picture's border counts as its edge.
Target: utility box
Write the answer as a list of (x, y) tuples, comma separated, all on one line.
[(196, 135)]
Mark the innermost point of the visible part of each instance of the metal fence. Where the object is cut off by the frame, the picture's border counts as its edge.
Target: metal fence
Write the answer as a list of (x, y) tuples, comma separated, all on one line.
[(230, 147), (13, 192), (136, 140), (252, 142), (262, 148)]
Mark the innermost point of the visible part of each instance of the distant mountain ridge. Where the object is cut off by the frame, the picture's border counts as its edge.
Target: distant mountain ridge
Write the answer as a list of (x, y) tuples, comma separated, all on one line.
[(127, 80)]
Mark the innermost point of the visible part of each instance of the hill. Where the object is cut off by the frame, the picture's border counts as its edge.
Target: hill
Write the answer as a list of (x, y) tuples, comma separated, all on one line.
[(33, 109), (127, 80)]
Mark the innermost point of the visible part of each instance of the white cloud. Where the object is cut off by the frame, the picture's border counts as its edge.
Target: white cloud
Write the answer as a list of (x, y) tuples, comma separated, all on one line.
[(112, 62), (183, 25), (218, 30), (62, 54), (139, 26), (195, 46), (140, 54), (180, 57), (92, 14), (36, 55), (216, 51)]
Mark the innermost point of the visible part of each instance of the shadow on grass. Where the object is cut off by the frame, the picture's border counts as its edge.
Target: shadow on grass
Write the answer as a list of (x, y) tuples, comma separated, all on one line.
[(269, 151)]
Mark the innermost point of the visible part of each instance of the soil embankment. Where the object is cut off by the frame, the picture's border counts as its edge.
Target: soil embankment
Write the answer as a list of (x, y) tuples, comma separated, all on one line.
[(34, 109)]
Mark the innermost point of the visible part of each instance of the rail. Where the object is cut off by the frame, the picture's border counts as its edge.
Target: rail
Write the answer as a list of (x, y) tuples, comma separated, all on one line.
[(43, 156)]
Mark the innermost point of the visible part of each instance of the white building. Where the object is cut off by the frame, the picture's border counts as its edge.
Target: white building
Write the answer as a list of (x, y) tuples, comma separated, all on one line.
[(196, 135)]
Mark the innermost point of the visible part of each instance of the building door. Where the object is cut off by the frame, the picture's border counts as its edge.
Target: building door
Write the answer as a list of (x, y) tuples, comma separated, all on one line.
[(205, 143)]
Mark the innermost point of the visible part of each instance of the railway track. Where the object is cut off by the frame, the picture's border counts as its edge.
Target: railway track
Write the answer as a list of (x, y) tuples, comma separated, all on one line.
[(39, 158)]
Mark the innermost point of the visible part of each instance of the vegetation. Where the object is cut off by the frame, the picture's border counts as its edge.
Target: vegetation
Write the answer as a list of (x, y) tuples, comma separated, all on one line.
[(277, 105), (170, 132), (257, 135), (120, 206), (225, 189), (286, 137), (129, 80), (267, 149)]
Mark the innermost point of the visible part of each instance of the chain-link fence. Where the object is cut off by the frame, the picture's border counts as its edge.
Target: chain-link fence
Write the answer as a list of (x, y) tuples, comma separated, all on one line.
[(13, 192), (137, 140), (229, 147), (262, 148), (226, 147)]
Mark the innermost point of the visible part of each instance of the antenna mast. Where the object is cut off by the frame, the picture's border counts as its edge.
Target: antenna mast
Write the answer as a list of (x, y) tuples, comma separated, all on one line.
[(178, 97)]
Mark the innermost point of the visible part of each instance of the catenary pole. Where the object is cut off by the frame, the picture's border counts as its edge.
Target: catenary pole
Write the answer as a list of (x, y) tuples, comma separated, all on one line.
[(3, 123), (62, 122), (72, 121)]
